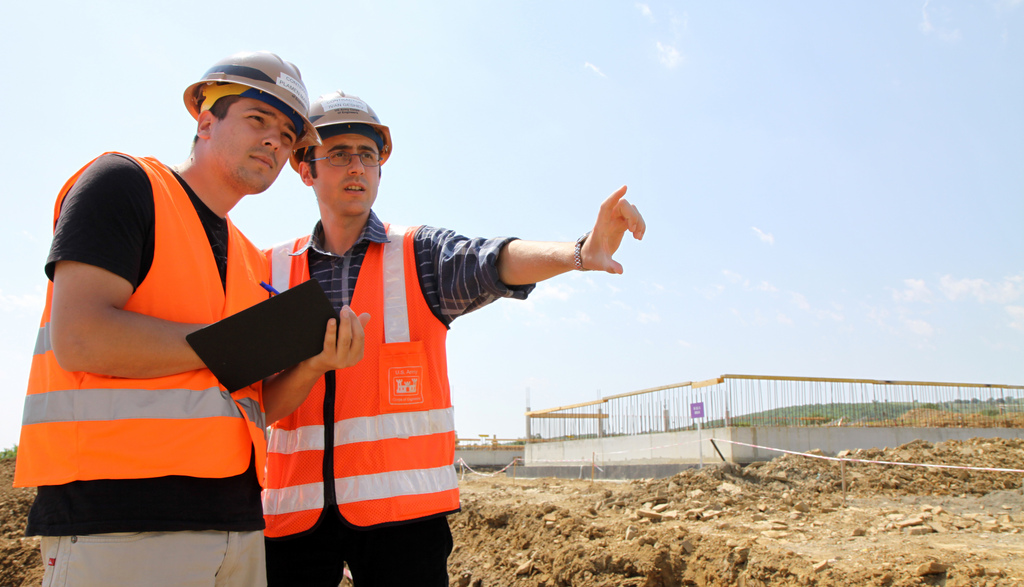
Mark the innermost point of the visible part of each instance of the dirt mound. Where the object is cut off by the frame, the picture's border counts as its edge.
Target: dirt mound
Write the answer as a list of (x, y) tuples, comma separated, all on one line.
[(784, 522), (20, 563), (779, 523)]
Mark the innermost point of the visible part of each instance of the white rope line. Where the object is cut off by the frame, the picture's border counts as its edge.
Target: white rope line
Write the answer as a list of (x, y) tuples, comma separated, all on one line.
[(503, 469)]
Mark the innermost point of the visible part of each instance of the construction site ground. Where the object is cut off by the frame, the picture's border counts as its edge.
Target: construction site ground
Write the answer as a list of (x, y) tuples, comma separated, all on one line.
[(782, 522)]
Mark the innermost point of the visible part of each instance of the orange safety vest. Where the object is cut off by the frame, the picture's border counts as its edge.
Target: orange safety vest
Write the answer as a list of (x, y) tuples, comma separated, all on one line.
[(393, 425), (85, 426)]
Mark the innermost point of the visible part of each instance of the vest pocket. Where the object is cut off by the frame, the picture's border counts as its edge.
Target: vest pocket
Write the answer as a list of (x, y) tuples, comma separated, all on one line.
[(404, 378)]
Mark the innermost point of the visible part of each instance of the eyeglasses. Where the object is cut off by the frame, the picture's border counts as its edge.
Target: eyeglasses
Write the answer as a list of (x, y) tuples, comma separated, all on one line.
[(343, 159)]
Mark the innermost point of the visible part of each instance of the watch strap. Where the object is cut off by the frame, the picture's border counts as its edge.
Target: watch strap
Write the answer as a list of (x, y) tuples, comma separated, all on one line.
[(577, 254)]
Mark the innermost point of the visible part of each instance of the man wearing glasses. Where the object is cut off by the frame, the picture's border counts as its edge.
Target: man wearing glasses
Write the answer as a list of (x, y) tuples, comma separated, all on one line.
[(362, 472)]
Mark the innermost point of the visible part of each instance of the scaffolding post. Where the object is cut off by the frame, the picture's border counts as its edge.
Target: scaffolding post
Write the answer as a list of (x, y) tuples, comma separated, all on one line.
[(842, 469), (528, 435)]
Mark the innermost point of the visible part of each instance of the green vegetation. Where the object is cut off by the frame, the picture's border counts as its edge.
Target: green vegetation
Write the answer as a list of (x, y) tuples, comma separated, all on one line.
[(9, 453), (868, 413)]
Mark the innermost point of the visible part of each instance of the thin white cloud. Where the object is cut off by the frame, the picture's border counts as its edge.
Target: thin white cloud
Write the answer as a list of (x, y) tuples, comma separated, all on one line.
[(736, 312), (21, 303), (645, 10), (919, 327), (1009, 290), (732, 276), (801, 302), (766, 237), (669, 56), (680, 24), (710, 292), (581, 317), (555, 291), (1016, 317), (916, 291), (737, 279), (926, 22), (783, 319), (928, 28), (880, 316), (657, 287), (648, 318), (621, 305), (592, 67)]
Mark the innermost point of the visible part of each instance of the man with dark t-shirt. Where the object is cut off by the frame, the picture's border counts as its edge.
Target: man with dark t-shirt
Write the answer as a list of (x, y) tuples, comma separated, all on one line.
[(148, 470)]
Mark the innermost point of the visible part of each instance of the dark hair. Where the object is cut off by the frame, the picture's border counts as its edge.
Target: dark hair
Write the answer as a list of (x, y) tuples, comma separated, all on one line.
[(219, 110), (307, 156)]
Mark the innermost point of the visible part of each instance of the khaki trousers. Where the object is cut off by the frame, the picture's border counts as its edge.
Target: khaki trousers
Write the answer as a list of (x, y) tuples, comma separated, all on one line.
[(155, 559)]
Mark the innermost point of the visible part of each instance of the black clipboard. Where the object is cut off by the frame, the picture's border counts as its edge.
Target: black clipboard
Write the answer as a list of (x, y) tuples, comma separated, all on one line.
[(269, 337)]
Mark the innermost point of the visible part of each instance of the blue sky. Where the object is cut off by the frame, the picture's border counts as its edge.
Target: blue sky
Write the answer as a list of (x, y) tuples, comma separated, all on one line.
[(830, 189)]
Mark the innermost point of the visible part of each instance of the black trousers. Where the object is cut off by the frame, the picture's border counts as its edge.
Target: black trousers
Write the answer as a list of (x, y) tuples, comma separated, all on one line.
[(394, 556)]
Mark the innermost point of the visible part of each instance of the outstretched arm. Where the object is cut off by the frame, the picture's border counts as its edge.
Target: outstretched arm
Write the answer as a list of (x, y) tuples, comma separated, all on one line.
[(522, 262), (343, 347)]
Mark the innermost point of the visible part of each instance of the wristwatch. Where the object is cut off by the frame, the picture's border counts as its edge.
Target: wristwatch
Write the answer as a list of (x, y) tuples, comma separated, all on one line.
[(577, 254)]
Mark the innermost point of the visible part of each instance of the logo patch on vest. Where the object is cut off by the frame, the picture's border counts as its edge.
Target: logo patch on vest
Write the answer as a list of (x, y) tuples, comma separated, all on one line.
[(405, 385)]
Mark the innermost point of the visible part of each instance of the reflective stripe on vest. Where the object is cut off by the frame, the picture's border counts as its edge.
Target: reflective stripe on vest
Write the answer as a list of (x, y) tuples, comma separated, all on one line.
[(395, 483), (396, 311), (102, 405), (402, 425), (310, 496), (43, 340), (297, 498)]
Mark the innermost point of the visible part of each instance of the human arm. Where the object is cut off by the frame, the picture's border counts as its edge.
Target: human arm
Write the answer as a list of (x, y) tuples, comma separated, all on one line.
[(91, 331), (102, 250), (343, 347), (458, 274), (522, 262)]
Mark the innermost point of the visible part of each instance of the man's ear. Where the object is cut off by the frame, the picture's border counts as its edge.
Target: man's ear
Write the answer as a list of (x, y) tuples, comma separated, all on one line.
[(307, 177), (204, 124)]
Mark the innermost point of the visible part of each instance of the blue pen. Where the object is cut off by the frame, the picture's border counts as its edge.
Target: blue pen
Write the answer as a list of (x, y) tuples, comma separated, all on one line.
[(269, 288)]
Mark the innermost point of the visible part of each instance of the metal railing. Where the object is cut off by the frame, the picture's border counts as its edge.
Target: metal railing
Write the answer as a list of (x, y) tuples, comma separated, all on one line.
[(756, 400), (485, 442)]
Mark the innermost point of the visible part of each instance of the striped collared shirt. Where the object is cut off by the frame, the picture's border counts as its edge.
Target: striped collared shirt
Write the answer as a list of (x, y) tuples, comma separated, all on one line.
[(457, 274)]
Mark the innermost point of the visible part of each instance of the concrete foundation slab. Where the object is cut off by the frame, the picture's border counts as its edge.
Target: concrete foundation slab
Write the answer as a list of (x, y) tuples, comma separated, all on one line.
[(644, 454)]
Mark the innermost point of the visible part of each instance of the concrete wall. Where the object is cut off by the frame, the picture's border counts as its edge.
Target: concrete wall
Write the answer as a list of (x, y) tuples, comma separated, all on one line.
[(487, 458), (662, 448), (685, 448)]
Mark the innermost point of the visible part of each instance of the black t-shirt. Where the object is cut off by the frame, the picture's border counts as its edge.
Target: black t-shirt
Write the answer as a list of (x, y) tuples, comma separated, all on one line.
[(107, 220)]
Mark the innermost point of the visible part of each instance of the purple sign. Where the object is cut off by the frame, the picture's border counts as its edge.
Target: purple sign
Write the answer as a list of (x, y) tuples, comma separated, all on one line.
[(697, 410)]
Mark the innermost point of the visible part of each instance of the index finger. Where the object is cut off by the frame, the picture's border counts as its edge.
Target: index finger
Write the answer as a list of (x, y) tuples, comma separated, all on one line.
[(612, 201)]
